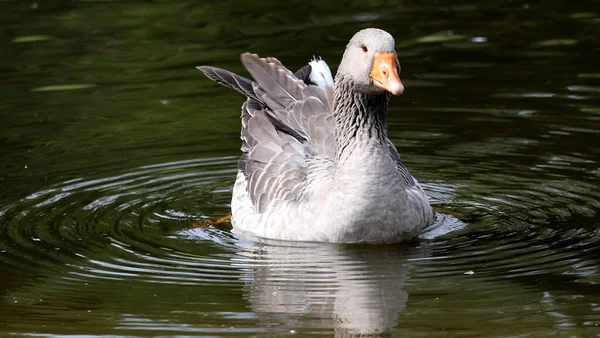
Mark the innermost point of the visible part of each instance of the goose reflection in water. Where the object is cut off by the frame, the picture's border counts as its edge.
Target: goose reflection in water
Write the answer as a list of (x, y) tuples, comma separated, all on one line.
[(357, 290)]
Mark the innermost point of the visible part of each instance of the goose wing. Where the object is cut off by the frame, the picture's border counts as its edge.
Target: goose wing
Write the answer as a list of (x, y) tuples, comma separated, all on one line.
[(287, 131)]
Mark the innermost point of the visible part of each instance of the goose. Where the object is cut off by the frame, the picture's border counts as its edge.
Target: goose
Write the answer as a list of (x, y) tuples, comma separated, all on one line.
[(317, 164)]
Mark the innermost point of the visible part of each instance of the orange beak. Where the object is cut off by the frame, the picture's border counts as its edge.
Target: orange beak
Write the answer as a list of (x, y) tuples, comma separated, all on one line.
[(385, 73)]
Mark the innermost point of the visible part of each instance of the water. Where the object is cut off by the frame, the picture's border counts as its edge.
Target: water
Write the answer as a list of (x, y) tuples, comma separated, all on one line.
[(114, 147)]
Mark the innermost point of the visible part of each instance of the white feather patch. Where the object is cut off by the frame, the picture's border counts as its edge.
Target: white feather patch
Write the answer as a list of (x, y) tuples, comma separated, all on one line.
[(320, 74)]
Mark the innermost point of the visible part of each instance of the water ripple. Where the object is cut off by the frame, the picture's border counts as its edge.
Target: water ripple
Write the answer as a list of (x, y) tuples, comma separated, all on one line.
[(137, 228), (67, 221)]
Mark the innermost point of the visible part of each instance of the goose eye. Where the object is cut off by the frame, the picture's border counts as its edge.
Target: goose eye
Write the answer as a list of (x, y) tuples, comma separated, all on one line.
[(364, 48)]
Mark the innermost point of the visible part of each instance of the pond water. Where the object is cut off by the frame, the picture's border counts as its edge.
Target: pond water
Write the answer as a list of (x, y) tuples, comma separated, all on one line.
[(114, 146)]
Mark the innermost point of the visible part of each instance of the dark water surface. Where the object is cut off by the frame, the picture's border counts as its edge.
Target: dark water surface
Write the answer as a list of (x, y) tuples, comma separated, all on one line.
[(113, 146)]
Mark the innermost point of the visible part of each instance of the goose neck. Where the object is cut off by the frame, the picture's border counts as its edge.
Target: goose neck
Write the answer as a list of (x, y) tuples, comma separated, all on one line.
[(360, 118)]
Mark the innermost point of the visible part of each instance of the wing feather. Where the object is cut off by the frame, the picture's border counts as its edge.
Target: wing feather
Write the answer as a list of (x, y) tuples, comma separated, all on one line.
[(230, 80), (287, 130), (278, 83)]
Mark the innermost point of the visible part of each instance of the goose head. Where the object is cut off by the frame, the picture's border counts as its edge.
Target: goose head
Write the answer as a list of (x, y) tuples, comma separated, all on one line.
[(371, 64)]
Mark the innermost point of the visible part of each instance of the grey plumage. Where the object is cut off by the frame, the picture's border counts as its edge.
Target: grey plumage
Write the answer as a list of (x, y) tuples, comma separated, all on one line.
[(304, 74), (280, 127), (298, 138)]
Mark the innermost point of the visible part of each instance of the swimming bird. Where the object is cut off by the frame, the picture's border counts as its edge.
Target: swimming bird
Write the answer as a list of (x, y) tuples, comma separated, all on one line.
[(317, 164)]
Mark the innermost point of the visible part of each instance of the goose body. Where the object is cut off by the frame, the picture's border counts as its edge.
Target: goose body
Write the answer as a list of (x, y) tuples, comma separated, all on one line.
[(317, 164)]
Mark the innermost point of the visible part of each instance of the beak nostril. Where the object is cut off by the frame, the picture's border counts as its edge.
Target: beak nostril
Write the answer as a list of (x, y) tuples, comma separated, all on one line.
[(384, 73)]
